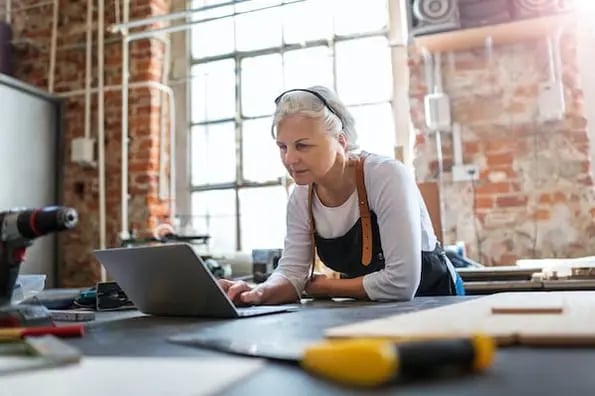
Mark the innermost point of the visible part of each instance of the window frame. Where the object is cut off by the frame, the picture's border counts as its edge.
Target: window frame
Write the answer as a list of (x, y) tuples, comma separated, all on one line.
[(239, 118)]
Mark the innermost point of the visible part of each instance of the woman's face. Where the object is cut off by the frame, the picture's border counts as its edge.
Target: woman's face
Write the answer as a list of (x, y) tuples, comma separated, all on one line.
[(307, 150)]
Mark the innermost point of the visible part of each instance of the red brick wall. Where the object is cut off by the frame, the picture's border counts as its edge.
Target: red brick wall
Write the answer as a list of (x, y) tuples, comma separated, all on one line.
[(32, 32), (535, 195)]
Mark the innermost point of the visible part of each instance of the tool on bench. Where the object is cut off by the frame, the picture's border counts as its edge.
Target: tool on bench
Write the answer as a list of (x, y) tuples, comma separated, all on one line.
[(18, 229), (58, 331), (366, 362)]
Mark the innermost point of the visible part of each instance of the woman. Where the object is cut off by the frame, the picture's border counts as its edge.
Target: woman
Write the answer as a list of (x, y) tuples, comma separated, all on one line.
[(363, 213)]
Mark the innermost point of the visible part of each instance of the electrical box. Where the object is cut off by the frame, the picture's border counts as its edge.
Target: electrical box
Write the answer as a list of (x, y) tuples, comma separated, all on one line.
[(465, 172), (437, 112), (551, 104), (82, 151)]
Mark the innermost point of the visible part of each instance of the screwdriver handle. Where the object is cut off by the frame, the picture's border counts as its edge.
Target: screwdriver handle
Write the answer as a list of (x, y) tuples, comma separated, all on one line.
[(372, 362)]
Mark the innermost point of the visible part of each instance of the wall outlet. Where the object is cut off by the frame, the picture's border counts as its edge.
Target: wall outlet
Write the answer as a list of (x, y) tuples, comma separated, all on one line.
[(551, 102), (465, 172)]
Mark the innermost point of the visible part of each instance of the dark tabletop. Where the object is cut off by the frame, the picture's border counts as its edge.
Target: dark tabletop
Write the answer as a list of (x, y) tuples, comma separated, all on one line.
[(517, 370)]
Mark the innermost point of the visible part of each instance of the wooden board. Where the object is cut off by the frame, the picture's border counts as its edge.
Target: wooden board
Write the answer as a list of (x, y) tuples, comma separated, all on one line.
[(502, 33), (571, 320)]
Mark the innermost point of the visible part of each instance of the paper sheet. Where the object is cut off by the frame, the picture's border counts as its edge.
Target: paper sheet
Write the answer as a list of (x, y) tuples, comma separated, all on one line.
[(102, 376)]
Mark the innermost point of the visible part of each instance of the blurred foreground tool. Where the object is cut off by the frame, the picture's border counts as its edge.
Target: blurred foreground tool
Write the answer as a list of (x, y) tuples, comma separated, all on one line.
[(58, 331), (374, 362), (364, 361)]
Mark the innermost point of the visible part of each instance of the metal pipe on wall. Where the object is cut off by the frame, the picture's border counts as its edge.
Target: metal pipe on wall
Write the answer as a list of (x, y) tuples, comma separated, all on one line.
[(172, 156), (171, 16), (171, 186), (110, 88), (557, 60), (8, 11), (54, 39), (101, 129), (433, 78), (117, 11), (124, 231), (428, 69), (186, 26), (88, 68), (163, 189)]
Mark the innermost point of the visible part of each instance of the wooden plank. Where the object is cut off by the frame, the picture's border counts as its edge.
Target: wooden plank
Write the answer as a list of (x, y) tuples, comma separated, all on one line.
[(504, 33), (575, 325)]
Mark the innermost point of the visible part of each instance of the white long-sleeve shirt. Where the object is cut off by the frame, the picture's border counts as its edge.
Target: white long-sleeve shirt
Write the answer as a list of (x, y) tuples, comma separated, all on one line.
[(403, 220)]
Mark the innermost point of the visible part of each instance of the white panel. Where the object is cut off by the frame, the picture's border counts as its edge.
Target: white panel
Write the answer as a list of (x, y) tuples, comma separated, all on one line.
[(28, 165)]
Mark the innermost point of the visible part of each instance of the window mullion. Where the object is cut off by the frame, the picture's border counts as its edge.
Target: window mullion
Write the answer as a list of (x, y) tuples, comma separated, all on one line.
[(239, 157)]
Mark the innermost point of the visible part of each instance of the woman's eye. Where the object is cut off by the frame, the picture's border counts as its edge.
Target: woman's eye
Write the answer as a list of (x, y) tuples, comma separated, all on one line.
[(300, 146), (283, 148)]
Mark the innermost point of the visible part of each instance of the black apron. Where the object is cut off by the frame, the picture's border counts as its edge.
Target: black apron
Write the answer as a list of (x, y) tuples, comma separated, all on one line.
[(345, 254)]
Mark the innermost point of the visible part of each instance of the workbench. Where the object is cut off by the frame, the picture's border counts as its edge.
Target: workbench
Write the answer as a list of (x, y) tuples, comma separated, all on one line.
[(488, 280), (517, 370)]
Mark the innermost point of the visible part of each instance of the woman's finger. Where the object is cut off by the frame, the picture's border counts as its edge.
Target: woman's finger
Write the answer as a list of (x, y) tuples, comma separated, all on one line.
[(225, 284), (252, 297), (236, 289)]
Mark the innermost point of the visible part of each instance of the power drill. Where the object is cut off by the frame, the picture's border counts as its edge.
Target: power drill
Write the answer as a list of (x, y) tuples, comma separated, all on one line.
[(18, 229)]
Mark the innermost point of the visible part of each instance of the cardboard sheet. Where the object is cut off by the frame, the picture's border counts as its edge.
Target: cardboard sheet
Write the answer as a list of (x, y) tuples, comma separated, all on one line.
[(147, 376)]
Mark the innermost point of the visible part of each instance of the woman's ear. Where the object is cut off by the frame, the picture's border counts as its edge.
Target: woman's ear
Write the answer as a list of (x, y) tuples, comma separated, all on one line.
[(342, 140)]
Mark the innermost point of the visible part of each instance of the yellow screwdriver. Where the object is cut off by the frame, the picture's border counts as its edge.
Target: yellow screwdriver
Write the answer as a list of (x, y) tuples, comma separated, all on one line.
[(373, 362), (362, 361)]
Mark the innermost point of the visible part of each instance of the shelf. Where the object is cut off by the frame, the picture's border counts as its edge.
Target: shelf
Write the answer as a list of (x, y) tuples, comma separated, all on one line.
[(504, 33)]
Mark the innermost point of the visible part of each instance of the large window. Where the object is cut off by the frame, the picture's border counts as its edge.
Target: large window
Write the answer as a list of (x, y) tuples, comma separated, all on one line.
[(242, 56)]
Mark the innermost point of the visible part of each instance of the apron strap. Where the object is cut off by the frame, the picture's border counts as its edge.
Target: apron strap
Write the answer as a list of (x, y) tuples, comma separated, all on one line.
[(312, 228), (364, 210)]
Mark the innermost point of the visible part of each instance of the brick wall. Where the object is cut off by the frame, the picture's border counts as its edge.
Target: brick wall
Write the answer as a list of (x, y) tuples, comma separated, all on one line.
[(32, 32), (535, 195)]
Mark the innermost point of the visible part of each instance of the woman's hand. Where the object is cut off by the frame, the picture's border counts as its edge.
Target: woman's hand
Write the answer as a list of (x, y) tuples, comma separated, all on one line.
[(318, 286), (240, 293)]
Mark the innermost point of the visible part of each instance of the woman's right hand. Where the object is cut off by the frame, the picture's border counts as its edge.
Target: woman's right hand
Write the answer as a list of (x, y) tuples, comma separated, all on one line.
[(240, 293)]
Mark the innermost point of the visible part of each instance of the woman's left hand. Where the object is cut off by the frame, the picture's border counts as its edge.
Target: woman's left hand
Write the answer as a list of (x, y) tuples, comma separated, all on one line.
[(318, 286)]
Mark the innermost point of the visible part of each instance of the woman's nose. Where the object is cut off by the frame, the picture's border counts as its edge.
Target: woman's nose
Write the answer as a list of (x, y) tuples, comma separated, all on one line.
[(291, 156)]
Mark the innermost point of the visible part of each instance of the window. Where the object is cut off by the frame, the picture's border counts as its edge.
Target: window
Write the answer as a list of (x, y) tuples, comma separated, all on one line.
[(241, 57)]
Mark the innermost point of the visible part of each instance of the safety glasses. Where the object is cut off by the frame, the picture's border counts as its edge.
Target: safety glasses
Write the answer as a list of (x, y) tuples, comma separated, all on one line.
[(319, 96)]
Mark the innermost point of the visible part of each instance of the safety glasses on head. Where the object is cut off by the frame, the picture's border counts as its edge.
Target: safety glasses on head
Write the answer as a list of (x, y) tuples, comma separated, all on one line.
[(319, 96)]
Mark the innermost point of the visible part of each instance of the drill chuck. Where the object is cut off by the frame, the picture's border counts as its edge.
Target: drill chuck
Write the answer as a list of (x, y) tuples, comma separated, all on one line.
[(32, 223)]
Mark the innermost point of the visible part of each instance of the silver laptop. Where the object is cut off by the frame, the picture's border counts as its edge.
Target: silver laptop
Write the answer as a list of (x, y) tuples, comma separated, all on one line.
[(172, 280)]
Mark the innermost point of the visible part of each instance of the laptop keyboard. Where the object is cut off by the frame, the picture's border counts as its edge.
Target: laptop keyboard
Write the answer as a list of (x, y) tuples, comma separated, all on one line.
[(262, 310)]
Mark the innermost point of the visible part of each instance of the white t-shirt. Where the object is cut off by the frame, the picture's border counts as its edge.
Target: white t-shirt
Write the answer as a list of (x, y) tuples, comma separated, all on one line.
[(403, 220)]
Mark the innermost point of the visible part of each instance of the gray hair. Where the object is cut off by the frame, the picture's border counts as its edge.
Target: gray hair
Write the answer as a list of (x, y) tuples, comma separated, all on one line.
[(306, 103)]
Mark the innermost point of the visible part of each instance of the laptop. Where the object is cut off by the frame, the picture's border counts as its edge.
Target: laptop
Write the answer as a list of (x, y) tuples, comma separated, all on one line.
[(172, 280)]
